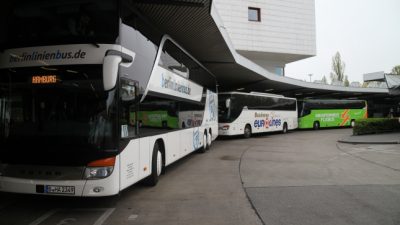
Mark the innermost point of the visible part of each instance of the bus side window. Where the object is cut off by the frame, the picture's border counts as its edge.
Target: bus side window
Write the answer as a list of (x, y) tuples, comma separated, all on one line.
[(305, 112), (128, 115)]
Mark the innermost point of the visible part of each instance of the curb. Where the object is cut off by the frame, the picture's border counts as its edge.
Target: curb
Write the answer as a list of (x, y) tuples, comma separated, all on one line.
[(370, 142)]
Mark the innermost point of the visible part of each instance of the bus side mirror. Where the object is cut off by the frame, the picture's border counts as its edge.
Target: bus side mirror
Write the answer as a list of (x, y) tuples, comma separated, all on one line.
[(228, 103), (110, 71), (128, 90)]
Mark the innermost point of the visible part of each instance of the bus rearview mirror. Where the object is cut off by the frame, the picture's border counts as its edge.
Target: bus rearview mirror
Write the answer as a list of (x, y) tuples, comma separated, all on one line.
[(128, 90), (110, 71)]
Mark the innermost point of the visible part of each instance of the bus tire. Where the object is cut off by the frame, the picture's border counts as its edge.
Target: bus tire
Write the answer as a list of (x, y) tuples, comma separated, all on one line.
[(209, 139), (247, 131), (285, 128), (203, 149), (316, 125), (352, 123), (156, 166)]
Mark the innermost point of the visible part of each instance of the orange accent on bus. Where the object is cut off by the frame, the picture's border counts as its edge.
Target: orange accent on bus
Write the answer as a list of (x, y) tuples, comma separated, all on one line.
[(103, 162), (345, 116)]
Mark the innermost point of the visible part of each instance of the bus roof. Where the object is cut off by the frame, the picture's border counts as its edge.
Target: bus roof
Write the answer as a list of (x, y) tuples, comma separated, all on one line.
[(256, 94), (333, 100)]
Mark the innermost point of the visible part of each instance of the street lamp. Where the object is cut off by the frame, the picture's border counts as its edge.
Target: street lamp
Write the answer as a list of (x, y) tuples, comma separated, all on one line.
[(310, 76)]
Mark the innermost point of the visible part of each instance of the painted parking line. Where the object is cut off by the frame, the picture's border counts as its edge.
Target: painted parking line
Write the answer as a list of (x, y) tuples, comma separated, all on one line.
[(43, 218), (104, 217), (95, 216)]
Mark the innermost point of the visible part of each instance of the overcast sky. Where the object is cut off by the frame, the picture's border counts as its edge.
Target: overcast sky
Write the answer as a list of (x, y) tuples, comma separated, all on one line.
[(365, 32)]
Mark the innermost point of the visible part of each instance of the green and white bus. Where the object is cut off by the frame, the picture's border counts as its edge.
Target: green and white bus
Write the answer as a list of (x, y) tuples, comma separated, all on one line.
[(317, 113)]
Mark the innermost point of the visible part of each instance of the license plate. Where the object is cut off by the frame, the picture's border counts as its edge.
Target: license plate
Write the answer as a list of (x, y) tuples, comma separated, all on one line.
[(56, 189)]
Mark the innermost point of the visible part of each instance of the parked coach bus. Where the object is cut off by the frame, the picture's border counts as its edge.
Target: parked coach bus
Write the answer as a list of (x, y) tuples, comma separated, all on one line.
[(73, 77), (249, 113), (317, 113)]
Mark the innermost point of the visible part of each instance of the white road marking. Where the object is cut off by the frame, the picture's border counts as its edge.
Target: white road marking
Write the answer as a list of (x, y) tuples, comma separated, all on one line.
[(105, 216), (44, 217), (66, 221), (133, 217), (99, 221)]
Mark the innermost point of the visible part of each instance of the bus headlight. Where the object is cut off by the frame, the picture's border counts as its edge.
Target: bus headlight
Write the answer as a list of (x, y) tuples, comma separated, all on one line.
[(98, 172), (100, 169), (224, 127)]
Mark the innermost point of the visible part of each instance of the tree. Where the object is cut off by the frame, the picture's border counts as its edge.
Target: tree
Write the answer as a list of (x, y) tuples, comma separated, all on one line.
[(338, 68), (396, 70), (324, 81), (346, 81)]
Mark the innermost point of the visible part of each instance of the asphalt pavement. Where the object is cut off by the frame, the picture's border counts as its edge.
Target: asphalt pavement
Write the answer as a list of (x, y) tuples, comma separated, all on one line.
[(303, 177), (309, 178)]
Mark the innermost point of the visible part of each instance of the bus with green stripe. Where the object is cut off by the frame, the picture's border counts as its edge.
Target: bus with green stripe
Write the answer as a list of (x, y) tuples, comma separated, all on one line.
[(319, 113)]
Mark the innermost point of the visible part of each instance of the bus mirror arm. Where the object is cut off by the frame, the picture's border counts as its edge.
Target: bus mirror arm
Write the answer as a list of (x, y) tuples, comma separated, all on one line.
[(125, 57)]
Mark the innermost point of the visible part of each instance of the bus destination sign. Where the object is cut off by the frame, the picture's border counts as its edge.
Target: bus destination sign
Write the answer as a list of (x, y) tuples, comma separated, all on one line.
[(44, 79)]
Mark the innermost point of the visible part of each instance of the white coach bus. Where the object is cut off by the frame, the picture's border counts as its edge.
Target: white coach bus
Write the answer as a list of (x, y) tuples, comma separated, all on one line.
[(249, 113), (73, 77)]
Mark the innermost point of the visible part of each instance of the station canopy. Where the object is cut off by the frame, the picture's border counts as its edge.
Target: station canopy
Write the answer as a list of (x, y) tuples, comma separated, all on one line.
[(196, 25)]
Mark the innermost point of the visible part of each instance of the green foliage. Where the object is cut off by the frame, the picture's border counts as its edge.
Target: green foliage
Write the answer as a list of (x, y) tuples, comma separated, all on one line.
[(396, 70), (338, 68), (375, 125)]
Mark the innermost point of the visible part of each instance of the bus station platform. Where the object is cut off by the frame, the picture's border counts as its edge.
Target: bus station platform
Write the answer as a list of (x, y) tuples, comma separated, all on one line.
[(385, 138)]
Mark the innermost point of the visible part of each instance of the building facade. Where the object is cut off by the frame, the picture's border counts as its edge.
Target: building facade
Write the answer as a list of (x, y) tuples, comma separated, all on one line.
[(271, 33)]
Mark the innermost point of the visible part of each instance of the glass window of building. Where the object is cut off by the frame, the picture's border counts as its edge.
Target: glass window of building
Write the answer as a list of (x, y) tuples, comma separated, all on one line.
[(254, 14)]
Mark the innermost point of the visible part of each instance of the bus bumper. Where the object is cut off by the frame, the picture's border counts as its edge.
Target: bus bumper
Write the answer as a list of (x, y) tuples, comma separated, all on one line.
[(27, 186), (229, 129), (86, 188)]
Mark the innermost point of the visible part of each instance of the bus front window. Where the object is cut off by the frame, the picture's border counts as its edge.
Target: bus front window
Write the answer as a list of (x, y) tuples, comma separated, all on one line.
[(56, 115), (224, 109)]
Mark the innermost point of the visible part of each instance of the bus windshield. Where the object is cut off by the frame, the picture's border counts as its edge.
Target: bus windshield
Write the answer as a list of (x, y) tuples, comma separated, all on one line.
[(45, 22), (232, 112), (56, 115), (223, 110)]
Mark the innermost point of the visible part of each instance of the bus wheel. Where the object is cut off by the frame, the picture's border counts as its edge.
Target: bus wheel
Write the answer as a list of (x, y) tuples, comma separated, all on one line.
[(247, 131), (204, 148), (156, 166), (352, 123), (316, 125), (284, 129), (209, 138)]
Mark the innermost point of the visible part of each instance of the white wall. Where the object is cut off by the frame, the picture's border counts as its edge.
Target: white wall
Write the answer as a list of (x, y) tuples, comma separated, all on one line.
[(285, 34)]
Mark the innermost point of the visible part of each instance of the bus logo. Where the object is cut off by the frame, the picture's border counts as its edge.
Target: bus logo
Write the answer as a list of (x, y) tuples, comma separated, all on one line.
[(267, 123)]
